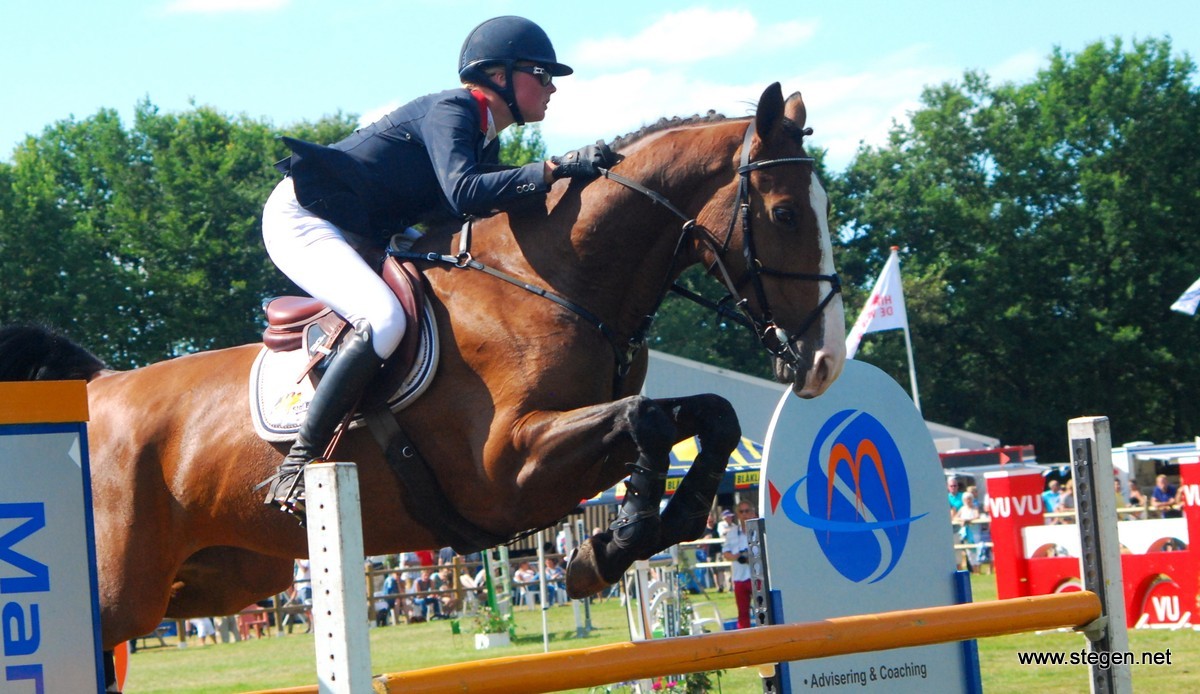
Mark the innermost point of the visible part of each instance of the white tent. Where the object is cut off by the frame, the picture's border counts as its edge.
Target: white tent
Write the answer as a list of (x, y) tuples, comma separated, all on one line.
[(755, 399)]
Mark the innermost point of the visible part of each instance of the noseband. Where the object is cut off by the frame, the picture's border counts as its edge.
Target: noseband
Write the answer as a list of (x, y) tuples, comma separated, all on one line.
[(775, 339)]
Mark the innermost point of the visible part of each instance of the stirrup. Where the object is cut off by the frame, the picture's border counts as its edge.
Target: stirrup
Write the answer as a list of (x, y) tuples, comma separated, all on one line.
[(287, 490)]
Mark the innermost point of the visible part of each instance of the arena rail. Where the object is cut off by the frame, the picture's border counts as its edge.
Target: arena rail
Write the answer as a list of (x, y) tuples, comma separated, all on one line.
[(587, 667)]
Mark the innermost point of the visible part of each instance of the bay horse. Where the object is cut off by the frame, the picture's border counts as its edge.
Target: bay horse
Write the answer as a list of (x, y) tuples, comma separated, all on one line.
[(535, 404)]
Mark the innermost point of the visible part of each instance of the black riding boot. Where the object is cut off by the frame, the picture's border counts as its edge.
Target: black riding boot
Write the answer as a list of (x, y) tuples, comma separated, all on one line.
[(339, 390)]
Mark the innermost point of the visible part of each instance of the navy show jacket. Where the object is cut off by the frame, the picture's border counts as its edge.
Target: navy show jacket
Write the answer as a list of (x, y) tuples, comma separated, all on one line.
[(424, 162)]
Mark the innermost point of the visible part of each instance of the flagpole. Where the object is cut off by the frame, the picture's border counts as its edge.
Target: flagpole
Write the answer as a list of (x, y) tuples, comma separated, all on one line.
[(912, 364), (912, 369)]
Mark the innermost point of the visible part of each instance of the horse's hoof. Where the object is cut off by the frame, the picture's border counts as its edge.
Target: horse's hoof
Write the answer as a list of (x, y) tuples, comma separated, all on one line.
[(583, 572)]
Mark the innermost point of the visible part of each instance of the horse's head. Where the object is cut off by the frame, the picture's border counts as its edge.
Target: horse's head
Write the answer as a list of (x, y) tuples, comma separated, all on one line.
[(779, 255)]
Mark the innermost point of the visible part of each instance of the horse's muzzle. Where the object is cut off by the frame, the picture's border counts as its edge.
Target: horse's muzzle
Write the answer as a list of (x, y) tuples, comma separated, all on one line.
[(812, 374)]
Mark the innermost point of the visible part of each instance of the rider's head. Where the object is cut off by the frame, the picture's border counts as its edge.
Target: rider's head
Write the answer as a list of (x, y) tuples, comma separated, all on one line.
[(513, 57)]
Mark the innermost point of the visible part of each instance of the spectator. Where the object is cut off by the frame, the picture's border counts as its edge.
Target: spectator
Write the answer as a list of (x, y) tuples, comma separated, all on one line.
[(1136, 498), (524, 579), (382, 608), (702, 575), (393, 590), (443, 579), (409, 563), (302, 593), (967, 535), (727, 520), (205, 629), (421, 599), (555, 577), (736, 549), (1050, 497), (1163, 498), (953, 495), (1066, 501)]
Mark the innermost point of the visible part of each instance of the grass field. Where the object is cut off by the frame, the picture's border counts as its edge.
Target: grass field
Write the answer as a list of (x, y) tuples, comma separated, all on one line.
[(288, 660)]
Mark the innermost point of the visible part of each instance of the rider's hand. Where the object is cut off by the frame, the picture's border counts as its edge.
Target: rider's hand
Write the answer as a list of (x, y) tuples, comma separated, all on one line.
[(584, 162)]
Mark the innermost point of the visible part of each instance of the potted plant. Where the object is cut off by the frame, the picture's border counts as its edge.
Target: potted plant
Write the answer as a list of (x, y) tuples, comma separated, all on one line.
[(492, 629)]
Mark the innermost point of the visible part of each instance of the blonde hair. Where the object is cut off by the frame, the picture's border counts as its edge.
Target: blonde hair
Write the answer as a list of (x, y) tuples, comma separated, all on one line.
[(492, 72)]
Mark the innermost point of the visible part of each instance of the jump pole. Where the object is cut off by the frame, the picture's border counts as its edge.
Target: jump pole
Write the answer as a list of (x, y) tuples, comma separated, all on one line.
[(588, 667), (335, 552)]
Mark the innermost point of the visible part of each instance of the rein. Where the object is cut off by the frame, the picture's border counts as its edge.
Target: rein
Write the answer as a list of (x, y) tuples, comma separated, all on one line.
[(776, 340), (464, 259)]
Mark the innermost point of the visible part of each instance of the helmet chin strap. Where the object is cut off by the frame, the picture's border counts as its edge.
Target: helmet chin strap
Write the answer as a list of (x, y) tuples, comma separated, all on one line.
[(507, 93)]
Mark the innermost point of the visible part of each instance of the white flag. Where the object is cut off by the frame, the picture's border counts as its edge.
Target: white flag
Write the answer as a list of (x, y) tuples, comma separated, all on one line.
[(1187, 302), (885, 306)]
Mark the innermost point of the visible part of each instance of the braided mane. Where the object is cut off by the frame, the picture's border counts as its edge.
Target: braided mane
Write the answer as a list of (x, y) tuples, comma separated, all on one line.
[(664, 124), (712, 116)]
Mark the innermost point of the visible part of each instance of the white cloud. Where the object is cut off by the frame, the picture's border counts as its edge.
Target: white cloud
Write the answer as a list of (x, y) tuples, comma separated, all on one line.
[(786, 34), (845, 107), (690, 36), (375, 114), (218, 6), (1018, 68)]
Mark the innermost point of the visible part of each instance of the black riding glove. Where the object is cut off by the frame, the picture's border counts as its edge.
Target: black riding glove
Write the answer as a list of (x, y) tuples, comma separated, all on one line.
[(584, 162), (742, 558)]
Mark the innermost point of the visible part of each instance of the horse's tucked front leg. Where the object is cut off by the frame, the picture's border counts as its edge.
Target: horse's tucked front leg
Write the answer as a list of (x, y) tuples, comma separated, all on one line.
[(713, 420), (603, 558)]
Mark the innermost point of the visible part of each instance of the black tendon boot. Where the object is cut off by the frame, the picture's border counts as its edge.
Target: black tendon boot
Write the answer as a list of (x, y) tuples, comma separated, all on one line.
[(352, 369)]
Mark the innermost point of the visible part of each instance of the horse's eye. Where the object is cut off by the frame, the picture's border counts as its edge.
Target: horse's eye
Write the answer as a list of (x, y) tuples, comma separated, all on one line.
[(785, 216)]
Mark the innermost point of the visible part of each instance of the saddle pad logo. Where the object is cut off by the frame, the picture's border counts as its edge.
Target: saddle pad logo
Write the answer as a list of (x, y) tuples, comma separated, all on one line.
[(856, 497)]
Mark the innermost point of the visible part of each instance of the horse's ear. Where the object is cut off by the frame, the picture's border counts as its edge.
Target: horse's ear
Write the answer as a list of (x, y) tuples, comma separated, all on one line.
[(794, 109), (770, 110)]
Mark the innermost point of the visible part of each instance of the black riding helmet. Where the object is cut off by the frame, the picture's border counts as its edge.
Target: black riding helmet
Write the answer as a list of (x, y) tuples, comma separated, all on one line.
[(504, 41)]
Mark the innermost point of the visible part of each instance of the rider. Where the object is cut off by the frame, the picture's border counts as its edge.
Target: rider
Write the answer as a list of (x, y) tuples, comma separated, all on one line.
[(433, 159)]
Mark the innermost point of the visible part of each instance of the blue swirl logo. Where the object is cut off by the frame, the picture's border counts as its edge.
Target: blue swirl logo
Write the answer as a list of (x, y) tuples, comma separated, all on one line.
[(857, 497)]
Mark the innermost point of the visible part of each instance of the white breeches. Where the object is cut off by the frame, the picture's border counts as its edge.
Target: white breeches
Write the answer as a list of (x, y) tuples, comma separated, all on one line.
[(314, 254)]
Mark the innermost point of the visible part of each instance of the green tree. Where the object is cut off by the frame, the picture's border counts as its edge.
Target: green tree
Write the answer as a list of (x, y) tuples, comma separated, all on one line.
[(1046, 228), (522, 144), (144, 243)]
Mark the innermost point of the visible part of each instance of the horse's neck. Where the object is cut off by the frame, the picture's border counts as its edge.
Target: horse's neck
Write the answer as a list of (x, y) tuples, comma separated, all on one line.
[(637, 238), (605, 246)]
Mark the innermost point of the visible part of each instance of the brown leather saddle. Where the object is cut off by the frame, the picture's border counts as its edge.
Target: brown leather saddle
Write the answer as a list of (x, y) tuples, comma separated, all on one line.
[(296, 321)]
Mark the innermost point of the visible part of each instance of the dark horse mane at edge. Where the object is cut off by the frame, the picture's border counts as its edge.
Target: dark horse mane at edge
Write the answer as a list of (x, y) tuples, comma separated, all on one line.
[(712, 116), (38, 353)]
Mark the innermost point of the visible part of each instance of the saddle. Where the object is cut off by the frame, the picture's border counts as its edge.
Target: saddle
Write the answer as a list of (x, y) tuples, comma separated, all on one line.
[(301, 339)]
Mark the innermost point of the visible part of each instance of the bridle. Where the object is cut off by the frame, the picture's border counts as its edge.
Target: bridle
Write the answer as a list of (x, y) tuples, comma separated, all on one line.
[(776, 340)]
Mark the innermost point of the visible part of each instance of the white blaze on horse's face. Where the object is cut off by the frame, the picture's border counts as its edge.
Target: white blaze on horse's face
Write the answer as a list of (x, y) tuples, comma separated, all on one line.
[(830, 354)]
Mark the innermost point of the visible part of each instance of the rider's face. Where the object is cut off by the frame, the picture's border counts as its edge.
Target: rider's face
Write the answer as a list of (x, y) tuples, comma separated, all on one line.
[(532, 96)]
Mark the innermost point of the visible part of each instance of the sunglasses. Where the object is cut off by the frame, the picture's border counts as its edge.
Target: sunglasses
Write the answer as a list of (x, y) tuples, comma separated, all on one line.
[(540, 73)]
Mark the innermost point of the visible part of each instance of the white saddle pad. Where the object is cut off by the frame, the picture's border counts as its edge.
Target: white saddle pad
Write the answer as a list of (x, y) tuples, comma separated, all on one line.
[(279, 398)]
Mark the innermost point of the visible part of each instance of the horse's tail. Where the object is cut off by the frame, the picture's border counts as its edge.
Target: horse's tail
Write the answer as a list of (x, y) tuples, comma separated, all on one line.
[(37, 353)]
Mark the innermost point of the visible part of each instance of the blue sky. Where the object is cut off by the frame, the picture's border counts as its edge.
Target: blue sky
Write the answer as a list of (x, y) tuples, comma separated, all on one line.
[(859, 64)]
